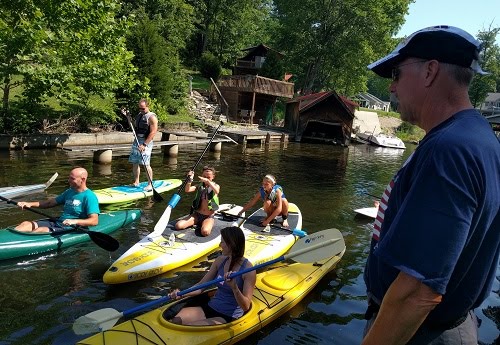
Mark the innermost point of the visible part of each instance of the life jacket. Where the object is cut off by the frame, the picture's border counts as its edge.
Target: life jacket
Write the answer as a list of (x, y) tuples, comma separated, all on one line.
[(208, 193), (272, 195), (141, 124)]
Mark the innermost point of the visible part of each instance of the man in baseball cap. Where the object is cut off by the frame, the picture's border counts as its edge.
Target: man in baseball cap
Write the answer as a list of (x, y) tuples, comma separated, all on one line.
[(435, 243), (442, 43)]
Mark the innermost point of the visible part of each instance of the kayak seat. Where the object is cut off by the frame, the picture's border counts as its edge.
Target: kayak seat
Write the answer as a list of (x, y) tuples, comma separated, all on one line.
[(282, 281)]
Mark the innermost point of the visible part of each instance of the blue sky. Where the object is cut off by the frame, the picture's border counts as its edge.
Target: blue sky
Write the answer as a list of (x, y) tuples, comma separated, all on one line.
[(471, 16)]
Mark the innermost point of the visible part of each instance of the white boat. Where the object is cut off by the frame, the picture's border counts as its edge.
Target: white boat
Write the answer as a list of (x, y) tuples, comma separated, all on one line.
[(381, 140), (17, 191), (370, 212)]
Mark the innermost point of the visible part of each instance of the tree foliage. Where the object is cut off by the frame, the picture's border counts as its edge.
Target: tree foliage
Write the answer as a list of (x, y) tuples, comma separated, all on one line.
[(225, 27), (330, 43), (490, 62), (69, 50), (158, 67)]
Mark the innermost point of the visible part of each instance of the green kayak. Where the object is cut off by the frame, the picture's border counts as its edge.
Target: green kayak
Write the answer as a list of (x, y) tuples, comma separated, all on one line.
[(14, 243)]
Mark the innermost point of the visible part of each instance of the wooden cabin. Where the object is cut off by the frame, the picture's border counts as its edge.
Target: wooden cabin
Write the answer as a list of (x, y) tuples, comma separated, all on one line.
[(251, 98), (323, 116)]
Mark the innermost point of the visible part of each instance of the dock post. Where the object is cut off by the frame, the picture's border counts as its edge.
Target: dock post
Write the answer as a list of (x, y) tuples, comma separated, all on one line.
[(103, 156), (268, 138), (170, 150), (216, 147)]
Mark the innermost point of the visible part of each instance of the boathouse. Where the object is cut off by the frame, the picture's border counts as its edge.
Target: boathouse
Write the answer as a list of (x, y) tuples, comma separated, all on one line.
[(248, 97), (323, 116)]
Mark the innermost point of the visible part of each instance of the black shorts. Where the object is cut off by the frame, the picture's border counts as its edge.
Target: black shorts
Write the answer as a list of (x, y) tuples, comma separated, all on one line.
[(53, 226), (200, 218), (202, 302)]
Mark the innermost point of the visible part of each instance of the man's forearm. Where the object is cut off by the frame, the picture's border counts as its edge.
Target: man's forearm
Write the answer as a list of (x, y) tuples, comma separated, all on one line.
[(404, 308)]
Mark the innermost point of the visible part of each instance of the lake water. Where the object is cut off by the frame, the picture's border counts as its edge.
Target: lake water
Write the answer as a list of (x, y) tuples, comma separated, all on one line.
[(41, 296)]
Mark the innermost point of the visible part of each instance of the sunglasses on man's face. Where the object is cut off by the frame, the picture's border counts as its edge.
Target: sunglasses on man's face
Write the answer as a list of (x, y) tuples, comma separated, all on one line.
[(396, 71)]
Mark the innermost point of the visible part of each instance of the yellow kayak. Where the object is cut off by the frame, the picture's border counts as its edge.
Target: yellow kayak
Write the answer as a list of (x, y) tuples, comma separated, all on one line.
[(277, 291)]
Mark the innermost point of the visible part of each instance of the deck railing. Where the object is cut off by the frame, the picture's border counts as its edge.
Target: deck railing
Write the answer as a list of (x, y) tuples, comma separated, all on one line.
[(252, 83)]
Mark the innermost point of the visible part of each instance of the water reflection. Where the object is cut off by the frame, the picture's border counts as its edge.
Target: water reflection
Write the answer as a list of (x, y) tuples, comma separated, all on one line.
[(102, 169), (43, 295)]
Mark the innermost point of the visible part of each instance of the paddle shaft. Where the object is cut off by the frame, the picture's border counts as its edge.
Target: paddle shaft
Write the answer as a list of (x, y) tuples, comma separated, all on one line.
[(156, 195), (165, 217), (183, 185), (233, 275), (296, 232), (373, 196), (101, 239)]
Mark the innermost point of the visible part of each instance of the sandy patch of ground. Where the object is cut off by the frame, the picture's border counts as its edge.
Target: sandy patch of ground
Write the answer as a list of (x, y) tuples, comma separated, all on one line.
[(389, 124)]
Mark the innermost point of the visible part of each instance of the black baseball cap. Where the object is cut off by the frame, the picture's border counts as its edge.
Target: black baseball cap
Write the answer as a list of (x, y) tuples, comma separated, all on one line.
[(443, 43)]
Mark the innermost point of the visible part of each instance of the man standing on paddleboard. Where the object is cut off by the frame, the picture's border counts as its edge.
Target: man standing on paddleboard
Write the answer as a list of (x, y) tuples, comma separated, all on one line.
[(146, 126)]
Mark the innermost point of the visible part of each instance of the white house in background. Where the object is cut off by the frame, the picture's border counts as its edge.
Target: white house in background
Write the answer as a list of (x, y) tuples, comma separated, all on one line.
[(491, 105), (367, 100)]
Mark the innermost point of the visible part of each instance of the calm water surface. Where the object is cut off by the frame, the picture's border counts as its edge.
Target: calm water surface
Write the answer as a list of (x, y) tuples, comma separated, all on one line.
[(41, 296)]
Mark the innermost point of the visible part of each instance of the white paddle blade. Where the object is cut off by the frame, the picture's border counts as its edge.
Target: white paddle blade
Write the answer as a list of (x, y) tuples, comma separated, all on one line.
[(97, 321), (317, 246), (162, 223), (51, 180)]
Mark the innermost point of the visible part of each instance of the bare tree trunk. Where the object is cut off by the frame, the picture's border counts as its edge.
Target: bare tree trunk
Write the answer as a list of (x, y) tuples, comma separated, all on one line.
[(6, 92)]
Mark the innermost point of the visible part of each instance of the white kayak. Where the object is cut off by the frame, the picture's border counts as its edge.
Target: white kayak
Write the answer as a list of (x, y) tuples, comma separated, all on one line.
[(265, 243), (370, 212), (158, 253), (18, 191)]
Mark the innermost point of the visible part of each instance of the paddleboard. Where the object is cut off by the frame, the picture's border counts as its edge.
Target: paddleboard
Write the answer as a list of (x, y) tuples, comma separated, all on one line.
[(263, 244), (370, 212), (157, 254), (121, 194)]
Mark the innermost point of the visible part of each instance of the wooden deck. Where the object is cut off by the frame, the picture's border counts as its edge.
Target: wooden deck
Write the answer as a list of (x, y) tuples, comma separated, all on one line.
[(104, 153), (262, 136)]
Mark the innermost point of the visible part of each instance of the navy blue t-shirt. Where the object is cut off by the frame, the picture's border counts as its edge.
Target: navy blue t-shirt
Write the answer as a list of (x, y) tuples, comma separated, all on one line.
[(438, 218)]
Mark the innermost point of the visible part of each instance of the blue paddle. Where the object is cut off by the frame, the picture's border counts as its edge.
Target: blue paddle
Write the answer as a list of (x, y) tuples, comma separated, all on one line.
[(297, 232)]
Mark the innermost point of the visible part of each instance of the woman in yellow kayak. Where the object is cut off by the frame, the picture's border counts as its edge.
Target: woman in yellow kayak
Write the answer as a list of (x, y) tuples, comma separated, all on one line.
[(233, 297)]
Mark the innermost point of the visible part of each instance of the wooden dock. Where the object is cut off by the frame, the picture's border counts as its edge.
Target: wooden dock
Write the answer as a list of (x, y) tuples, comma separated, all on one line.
[(104, 153), (262, 136)]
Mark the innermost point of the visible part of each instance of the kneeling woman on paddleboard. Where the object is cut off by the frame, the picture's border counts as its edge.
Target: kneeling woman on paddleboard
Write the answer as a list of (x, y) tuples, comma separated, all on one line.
[(233, 297), (275, 203)]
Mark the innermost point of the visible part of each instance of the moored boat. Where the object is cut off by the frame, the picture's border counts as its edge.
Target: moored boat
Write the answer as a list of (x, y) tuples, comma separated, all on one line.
[(370, 212), (380, 139), (277, 291), (15, 244), (18, 191)]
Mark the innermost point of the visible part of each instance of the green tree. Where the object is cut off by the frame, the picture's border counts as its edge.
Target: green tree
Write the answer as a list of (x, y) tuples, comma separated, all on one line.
[(490, 62), (158, 66), (159, 33), (225, 27), (66, 49), (273, 66), (328, 44)]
